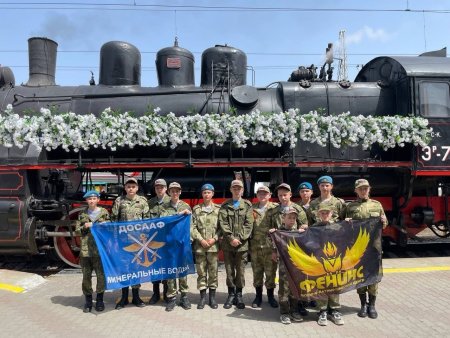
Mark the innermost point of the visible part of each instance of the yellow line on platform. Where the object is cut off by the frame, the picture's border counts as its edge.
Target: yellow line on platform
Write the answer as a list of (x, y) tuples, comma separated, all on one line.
[(424, 269), (12, 288)]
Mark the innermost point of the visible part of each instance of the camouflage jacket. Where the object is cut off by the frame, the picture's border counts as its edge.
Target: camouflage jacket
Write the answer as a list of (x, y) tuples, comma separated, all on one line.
[(205, 226), (125, 209), (169, 210), (260, 235), (361, 209), (274, 217), (88, 246), (338, 205), (236, 223), (305, 207), (155, 208)]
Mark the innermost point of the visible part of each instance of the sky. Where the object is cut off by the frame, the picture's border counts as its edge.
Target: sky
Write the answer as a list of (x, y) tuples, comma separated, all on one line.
[(277, 36)]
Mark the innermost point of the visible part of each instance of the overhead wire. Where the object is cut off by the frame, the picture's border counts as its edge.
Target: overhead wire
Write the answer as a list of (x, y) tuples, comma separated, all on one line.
[(197, 8)]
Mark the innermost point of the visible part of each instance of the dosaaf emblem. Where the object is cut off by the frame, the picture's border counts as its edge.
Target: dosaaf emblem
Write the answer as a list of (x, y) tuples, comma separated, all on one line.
[(143, 247)]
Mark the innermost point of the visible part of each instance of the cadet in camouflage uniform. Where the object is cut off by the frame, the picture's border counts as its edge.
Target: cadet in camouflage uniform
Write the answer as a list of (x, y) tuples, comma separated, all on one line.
[(325, 184), (274, 219), (89, 256), (288, 304), (155, 205), (331, 303), (261, 249), (173, 207), (305, 191), (128, 208), (363, 208), (205, 234), (236, 223)]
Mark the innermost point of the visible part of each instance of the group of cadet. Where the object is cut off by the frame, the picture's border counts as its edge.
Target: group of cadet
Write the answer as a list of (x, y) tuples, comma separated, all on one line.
[(242, 227)]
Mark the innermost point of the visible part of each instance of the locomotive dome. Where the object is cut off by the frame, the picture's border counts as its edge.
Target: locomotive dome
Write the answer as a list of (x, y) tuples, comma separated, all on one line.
[(175, 66)]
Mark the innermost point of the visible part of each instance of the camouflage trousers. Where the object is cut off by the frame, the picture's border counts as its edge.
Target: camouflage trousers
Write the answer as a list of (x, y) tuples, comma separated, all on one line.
[(172, 286), (329, 302), (88, 265), (288, 304), (371, 289), (235, 262), (206, 264), (262, 264)]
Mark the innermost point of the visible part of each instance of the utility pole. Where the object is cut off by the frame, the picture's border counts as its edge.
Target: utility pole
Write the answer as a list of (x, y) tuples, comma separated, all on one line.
[(342, 57)]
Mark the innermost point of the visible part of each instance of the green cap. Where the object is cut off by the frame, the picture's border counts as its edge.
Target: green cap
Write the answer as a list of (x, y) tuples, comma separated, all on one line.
[(325, 207)]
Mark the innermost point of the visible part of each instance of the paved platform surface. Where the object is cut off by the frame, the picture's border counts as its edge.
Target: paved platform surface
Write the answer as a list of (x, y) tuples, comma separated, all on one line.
[(413, 301)]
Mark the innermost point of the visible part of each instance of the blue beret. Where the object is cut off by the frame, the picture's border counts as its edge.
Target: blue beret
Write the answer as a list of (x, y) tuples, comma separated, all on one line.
[(91, 193), (305, 185), (207, 186), (325, 179)]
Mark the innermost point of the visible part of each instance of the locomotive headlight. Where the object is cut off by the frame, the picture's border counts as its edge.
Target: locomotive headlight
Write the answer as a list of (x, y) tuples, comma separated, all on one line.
[(439, 190)]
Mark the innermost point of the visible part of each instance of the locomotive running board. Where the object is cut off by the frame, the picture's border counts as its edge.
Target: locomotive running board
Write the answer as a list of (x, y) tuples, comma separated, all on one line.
[(249, 164)]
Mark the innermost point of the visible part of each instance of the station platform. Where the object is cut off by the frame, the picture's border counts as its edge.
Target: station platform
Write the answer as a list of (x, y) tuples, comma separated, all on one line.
[(413, 301)]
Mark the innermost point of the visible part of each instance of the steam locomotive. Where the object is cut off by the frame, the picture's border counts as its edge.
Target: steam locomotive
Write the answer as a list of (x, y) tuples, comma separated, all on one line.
[(41, 190)]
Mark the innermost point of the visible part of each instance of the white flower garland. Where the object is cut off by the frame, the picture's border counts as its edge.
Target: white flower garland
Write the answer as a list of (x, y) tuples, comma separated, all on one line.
[(112, 129)]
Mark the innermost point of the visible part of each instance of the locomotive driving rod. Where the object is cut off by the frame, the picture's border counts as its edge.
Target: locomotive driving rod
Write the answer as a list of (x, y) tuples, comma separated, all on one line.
[(58, 234)]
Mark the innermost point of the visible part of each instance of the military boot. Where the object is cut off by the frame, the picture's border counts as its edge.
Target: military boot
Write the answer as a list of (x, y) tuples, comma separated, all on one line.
[(301, 308), (202, 302), (99, 305), (258, 297), (156, 294), (136, 299), (124, 300), (363, 311), (184, 301), (271, 298), (239, 301), (87, 304), (371, 309), (165, 288), (230, 299), (171, 302), (212, 299)]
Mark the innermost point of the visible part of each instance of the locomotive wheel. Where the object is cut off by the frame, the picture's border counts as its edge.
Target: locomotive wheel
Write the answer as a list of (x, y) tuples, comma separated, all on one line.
[(68, 248)]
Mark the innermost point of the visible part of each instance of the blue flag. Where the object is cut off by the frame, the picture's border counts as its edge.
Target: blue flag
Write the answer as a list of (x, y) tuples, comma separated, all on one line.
[(145, 250)]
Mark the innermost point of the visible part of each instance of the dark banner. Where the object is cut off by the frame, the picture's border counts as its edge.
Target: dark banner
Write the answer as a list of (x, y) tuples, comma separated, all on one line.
[(145, 250), (331, 259)]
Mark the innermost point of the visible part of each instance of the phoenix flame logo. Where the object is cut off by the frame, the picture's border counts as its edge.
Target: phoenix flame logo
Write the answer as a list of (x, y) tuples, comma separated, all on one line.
[(332, 261)]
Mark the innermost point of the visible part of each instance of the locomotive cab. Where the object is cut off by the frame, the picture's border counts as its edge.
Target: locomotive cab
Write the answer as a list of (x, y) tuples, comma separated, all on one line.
[(422, 86)]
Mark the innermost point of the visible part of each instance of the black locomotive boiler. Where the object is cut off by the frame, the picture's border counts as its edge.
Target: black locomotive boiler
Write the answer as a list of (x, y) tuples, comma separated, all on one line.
[(40, 190)]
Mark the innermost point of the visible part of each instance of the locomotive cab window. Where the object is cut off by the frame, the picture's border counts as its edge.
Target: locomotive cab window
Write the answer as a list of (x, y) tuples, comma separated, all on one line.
[(434, 99)]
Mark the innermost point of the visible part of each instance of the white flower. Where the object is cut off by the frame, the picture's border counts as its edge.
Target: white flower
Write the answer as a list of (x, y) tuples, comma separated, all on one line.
[(111, 130)]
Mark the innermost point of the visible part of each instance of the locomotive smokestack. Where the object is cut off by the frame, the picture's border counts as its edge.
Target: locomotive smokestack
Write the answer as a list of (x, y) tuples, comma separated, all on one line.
[(42, 60)]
